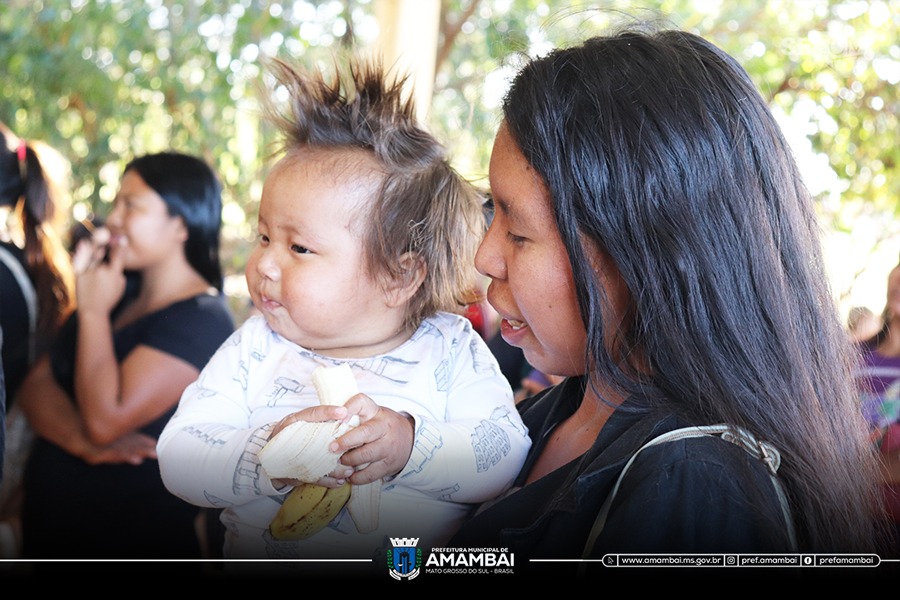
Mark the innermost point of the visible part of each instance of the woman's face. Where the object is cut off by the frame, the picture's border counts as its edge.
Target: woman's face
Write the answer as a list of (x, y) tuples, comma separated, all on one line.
[(531, 287), (141, 218)]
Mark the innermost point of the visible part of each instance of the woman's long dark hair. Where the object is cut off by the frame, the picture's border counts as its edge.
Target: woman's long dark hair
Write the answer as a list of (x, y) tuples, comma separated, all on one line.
[(658, 150), (192, 191)]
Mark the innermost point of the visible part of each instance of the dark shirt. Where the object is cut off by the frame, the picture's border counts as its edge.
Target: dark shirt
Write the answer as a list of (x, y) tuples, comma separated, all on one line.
[(14, 321), (700, 495), (2, 415)]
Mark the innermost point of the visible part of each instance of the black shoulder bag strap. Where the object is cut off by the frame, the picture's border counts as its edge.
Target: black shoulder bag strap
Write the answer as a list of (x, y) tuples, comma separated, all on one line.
[(736, 435)]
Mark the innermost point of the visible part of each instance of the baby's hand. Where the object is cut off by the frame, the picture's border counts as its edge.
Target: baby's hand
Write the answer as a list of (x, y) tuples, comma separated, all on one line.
[(307, 414), (380, 446)]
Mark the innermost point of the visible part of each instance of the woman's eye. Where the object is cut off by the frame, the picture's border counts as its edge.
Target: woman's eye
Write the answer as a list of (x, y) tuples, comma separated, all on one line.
[(515, 239), (299, 249)]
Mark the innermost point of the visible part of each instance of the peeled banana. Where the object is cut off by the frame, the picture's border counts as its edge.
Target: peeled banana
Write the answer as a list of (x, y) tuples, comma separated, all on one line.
[(335, 386), (300, 451), (308, 509)]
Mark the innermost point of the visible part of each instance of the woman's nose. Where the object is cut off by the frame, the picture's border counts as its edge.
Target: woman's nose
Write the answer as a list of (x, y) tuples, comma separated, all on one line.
[(114, 218), (489, 260)]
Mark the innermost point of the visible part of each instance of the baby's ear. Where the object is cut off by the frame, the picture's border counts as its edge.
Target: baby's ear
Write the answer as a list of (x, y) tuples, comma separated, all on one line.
[(402, 288)]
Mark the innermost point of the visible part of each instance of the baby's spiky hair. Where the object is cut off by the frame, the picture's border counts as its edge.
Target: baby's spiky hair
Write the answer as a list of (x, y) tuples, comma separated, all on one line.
[(422, 204)]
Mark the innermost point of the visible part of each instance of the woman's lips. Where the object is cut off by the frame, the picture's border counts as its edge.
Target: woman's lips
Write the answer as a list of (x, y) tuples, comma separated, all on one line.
[(512, 330), (515, 323)]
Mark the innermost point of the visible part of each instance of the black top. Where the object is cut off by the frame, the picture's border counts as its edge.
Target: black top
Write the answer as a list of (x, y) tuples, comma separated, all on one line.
[(77, 510), (14, 323), (700, 495)]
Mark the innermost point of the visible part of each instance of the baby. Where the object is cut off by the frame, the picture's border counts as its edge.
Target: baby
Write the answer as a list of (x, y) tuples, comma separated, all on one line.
[(365, 256)]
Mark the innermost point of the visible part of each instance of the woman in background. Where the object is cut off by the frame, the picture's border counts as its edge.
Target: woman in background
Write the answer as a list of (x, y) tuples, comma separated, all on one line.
[(35, 272), (879, 381), (36, 295), (100, 399)]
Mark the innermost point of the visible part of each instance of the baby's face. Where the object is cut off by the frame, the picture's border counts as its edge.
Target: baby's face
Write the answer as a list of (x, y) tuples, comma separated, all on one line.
[(307, 273)]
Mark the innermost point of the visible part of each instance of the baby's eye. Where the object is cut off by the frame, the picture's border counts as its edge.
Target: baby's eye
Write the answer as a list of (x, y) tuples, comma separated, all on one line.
[(263, 239), (299, 249)]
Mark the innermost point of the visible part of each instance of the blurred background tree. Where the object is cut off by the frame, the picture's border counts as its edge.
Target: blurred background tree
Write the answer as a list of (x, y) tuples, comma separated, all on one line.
[(104, 80)]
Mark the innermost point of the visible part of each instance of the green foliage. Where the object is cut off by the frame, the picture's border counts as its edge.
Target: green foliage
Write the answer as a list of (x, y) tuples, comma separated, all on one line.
[(104, 80)]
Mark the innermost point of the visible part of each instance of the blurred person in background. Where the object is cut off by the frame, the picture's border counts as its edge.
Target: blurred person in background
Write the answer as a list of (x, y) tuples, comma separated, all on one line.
[(150, 315), (879, 381), (35, 271), (862, 323), (36, 295)]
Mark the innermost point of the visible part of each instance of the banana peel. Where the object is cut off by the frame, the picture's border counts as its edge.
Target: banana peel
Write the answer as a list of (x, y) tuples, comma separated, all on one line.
[(308, 509), (300, 452), (364, 504)]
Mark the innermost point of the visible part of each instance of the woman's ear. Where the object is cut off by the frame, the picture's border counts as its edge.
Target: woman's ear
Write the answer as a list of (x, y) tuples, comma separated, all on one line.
[(183, 232), (403, 287)]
